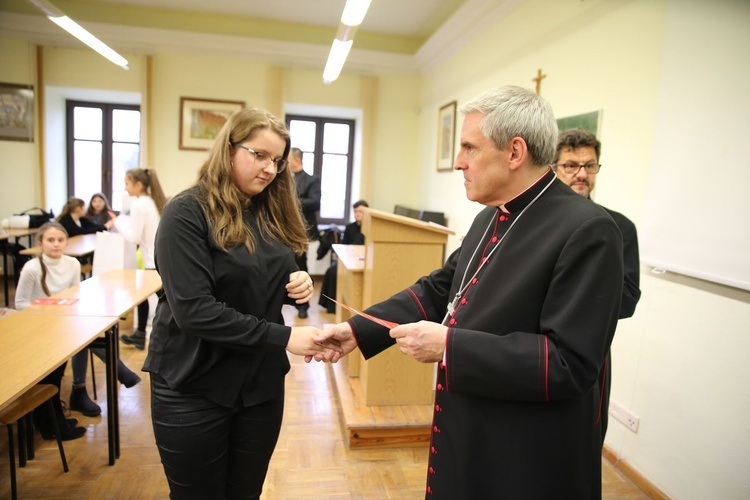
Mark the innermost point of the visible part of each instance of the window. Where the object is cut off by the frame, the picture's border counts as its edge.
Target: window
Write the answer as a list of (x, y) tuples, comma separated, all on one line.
[(103, 142), (327, 146)]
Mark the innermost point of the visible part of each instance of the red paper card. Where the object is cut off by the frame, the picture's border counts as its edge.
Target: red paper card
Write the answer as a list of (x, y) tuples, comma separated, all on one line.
[(51, 301), (381, 322)]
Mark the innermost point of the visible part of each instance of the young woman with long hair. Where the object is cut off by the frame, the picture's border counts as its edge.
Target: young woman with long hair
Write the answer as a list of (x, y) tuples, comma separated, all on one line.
[(139, 227), (217, 356)]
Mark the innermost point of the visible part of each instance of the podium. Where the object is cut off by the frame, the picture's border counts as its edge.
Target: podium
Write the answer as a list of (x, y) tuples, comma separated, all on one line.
[(385, 401), (398, 251)]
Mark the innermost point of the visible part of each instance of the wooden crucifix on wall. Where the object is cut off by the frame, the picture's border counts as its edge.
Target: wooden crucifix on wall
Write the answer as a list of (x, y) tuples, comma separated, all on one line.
[(538, 81)]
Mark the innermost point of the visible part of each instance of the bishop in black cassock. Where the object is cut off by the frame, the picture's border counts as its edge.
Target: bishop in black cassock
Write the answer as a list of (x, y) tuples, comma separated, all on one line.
[(532, 299)]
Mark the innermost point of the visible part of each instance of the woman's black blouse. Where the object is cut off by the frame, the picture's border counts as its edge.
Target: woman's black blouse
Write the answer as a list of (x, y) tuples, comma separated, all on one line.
[(218, 329)]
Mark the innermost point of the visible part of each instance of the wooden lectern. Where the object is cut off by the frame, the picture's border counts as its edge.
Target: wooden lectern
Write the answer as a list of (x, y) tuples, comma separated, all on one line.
[(398, 250)]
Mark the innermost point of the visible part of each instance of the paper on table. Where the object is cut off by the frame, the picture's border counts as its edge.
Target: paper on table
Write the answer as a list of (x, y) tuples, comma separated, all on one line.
[(381, 322), (50, 301)]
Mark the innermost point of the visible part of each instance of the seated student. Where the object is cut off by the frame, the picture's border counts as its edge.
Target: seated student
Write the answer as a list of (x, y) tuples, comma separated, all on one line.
[(352, 236), (73, 219), (51, 272), (99, 211), (353, 231), (55, 273)]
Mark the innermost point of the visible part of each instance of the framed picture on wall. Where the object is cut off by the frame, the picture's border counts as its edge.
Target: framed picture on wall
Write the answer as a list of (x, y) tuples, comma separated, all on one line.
[(446, 137), (586, 121), (16, 112), (202, 119)]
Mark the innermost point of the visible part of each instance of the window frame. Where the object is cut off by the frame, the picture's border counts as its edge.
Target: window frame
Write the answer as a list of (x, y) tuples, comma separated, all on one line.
[(320, 122), (107, 141)]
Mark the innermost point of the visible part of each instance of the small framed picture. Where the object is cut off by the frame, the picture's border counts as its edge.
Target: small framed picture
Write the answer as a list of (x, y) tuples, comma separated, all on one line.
[(16, 112), (446, 142), (202, 119)]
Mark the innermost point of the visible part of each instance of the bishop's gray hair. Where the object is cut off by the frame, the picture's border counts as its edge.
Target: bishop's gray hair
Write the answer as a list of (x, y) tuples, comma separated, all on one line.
[(512, 111)]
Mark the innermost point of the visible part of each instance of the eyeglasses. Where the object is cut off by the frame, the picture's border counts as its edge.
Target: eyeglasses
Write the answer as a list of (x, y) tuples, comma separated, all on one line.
[(264, 159), (574, 168)]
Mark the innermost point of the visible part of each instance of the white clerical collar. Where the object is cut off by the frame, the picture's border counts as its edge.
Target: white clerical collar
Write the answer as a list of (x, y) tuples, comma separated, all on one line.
[(520, 198)]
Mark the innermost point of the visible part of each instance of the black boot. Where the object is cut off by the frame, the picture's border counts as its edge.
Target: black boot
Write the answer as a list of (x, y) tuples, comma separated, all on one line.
[(126, 376), (43, 422), (80, 401), (137, 340)]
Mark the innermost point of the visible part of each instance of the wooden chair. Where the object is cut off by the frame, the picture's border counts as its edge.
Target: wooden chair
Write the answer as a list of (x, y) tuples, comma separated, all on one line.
[(15, 412)]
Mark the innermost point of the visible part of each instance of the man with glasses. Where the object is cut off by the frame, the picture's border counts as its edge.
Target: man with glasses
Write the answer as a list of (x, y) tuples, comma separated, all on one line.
[(576, 164), (308, 191)]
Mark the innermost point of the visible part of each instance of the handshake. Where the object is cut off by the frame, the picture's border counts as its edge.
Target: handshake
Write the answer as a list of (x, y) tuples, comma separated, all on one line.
[(327, 345), (424, 341)]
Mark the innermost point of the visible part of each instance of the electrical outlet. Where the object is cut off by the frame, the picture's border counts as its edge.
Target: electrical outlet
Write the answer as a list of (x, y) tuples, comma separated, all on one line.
[(621, 414)]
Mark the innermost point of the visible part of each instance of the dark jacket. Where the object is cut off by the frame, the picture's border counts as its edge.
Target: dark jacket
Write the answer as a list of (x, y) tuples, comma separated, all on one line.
[(631, 292), (308, 191), (353, 234), (86, 227)]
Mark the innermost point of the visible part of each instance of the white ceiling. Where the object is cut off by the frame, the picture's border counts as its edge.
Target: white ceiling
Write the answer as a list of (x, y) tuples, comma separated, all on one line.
[(399, 17), (416, 18)]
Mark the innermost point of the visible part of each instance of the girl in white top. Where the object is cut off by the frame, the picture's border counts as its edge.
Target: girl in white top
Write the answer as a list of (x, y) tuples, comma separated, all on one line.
[(139, 227), (50, 273)]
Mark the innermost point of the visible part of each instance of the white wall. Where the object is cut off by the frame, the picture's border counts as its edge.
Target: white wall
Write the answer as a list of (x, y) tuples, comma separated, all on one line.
[(678, 361)]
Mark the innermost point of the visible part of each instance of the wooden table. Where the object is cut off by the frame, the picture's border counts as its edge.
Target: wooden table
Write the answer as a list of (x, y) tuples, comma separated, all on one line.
[(31, 347), (6, 234), (79, 246), (110, 295)]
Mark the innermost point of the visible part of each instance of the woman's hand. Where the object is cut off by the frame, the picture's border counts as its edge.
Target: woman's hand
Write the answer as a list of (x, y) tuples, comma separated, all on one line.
[(109, 223), (340, 334), (300, 287), (309, 341)]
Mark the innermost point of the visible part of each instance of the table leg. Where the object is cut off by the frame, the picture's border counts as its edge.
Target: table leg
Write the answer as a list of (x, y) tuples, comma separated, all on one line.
[(116, 386), (5, 274), (111, 355), (22, 442), (111, 362)]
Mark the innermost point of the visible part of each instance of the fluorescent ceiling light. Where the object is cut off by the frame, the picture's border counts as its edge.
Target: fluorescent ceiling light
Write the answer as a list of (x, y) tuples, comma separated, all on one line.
[(353, 15), (58, 17), (336, 58), (354, 12)]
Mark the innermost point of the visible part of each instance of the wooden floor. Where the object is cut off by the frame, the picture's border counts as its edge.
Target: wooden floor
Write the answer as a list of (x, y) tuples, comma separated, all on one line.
[(311, 458)]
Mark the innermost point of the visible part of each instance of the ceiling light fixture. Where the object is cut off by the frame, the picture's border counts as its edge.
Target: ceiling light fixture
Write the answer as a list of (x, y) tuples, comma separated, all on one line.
[(353, 15), (59, 18)]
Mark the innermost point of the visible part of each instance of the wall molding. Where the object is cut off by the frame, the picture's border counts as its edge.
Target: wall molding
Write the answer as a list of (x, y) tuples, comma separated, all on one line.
[(619, 463)]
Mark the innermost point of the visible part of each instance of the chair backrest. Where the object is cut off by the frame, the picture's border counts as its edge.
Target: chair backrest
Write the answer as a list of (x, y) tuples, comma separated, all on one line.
[(26, 403)]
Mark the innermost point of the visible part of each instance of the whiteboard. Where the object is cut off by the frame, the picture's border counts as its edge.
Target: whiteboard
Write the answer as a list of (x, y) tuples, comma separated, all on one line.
[(696, 218)]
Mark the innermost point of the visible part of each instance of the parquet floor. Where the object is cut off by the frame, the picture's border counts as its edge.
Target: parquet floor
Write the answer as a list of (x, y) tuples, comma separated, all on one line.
[(310, 460)]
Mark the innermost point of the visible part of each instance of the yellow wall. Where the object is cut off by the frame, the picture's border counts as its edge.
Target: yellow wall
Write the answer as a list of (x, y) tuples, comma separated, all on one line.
[(390, 122), (19, 174), (84, 68)]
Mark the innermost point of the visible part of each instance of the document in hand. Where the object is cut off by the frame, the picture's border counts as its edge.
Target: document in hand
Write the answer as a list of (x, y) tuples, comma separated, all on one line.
[(381, 322)]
